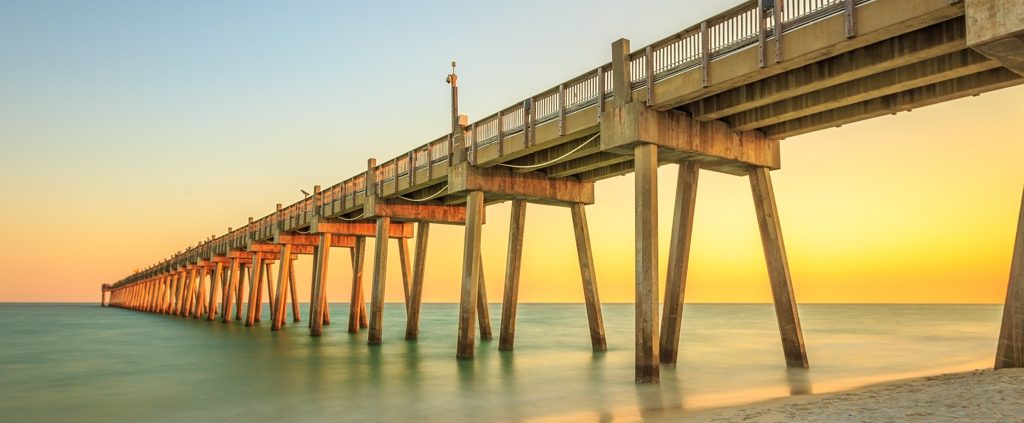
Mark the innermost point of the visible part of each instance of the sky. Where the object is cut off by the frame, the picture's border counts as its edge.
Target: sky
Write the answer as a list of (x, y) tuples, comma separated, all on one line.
[(129, 130)]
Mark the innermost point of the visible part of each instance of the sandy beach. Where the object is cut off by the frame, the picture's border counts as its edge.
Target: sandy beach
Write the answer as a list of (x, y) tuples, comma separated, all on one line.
[(980, 395)]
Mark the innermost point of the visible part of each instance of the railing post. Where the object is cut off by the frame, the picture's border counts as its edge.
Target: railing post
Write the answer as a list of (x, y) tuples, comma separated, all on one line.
[(622, 90), (370, 180), (777, 13), (851, 24), (705, 52), (600, 91), (649, 62), (561, 109), (501, 134), (473, 140), (411, 168), (762, 35), (318, 203)]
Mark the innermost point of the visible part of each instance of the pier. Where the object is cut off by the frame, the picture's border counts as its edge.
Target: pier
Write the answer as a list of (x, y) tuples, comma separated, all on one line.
[(718, 96)]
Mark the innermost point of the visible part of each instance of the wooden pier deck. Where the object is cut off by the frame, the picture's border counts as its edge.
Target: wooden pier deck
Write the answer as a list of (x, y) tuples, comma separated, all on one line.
[(718, 96)]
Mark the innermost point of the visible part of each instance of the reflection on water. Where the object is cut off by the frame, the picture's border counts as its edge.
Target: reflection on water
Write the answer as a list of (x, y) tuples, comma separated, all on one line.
[(82, 363)]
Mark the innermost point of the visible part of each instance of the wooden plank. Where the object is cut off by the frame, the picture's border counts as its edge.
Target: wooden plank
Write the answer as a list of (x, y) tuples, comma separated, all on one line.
[(412, 321), (1010, 350), (356, 303), (646, 168), (589, 276), (778, 268), (678, 260), (380, 267), (470, 275)]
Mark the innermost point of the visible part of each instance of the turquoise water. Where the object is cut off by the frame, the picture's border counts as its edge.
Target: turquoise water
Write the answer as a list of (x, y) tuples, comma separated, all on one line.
[(80, 362)]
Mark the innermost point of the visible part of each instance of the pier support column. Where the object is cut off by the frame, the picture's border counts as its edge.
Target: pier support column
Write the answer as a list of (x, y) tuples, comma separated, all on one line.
[(1010, 350), (255, 279), (357, 307), (281, 293), (240, 290), (257, 308), (215, 281), (403, 261), (189, 292), (412, 322), (179, 283), (646, 166), (678, 260), (470, 274), (319, 288), (232, 287), (268, 266), (513, 264), (589, 276), (200, 294), (778, 268), (294, 293), (482, 312), (380, 267)]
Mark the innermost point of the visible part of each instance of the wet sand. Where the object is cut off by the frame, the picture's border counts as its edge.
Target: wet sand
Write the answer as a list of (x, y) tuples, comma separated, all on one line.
[(980, 395)]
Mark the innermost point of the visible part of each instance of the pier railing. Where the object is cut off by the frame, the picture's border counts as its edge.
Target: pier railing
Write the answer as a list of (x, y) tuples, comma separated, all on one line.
[(750, 24)]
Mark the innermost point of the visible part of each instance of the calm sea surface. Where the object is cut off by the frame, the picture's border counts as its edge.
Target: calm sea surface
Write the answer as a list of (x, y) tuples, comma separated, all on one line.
[(83, 363)]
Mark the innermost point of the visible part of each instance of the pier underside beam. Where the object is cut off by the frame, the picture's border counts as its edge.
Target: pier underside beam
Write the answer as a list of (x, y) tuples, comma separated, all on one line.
[(679, 136), (927, 95), (931, 71), (503, 184), (1010, 351), (933, 41)]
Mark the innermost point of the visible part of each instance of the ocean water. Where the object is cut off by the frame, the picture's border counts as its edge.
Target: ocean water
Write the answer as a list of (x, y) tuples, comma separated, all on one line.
[(84, 363)]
